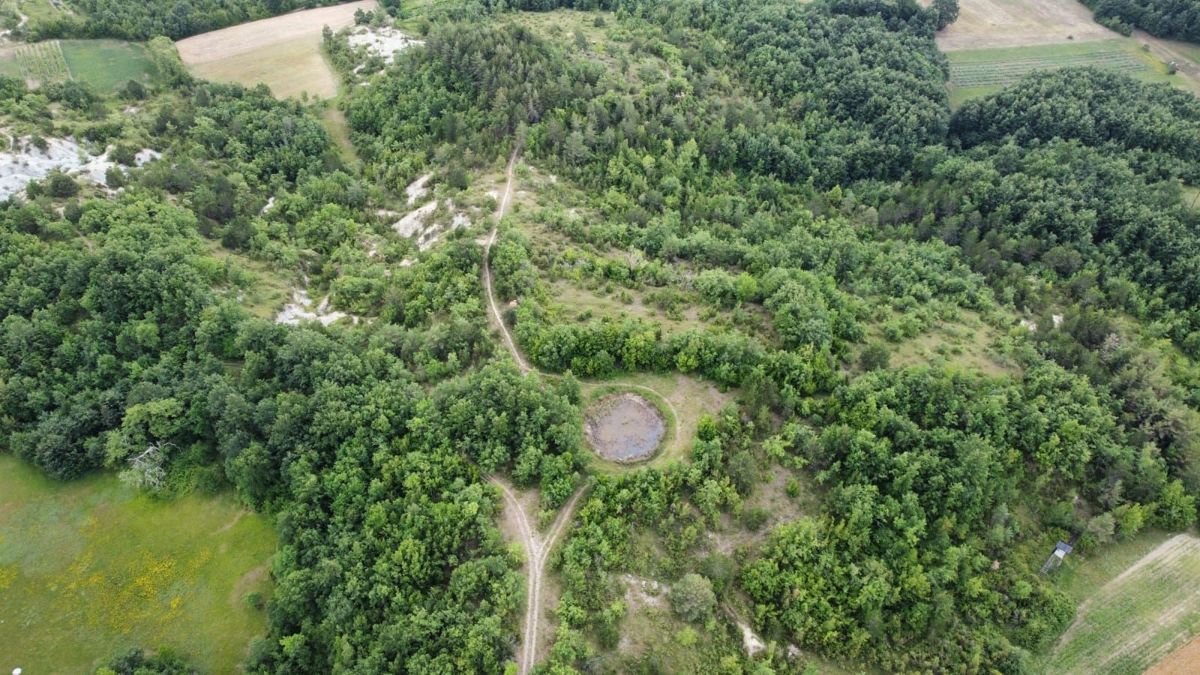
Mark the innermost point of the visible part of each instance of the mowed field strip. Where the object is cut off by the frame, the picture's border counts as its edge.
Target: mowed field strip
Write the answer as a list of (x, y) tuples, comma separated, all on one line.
[(1139, 617), (282, 52)]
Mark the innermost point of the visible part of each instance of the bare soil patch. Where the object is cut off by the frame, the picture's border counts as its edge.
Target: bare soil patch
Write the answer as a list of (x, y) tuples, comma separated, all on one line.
[(1182, 661), (1017, 23), (283, 52), (624, 427)]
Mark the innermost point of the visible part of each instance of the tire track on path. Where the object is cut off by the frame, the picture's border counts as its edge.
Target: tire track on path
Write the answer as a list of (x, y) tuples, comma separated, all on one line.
[(501, 211), (537, 551)]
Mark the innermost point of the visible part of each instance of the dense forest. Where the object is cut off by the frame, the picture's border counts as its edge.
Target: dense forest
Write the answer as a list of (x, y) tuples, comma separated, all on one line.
[(1179, 19), (791, 172)]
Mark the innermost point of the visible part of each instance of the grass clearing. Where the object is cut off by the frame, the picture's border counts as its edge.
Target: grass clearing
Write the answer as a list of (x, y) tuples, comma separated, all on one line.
[(263, 290), (107, 64), (339, 130), (102, 64), (980, 72), (966, 342), (1140, 615), (680, 398), (282, 52), (91, 567)]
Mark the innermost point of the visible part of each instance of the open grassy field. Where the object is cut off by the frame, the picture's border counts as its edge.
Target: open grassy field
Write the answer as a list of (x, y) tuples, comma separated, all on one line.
[(107, 64), (103, 64), (1138, 616), (1019, 23), (979, 72), (283, 52), (91, 567)]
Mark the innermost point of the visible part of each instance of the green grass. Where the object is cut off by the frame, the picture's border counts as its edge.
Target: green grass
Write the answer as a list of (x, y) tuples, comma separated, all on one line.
[(980, 72), (1130, 617), (90, 567), (107, 64), (102, 64)]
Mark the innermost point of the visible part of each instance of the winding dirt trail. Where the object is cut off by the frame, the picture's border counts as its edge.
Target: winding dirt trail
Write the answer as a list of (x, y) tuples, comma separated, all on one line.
[(537, 550), (501, 211)]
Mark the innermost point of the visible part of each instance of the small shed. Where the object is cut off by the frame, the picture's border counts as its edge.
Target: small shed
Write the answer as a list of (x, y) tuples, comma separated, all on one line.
[(1061, 549)]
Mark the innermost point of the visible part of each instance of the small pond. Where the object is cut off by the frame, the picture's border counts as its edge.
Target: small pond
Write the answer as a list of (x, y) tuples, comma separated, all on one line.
[(624, 427)]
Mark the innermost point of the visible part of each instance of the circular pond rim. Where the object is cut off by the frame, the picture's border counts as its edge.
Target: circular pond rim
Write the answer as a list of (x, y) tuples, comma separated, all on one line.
[(650, 397)]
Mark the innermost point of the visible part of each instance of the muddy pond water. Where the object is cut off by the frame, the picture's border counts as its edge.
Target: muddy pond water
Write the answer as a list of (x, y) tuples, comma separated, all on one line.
[(624, 427)]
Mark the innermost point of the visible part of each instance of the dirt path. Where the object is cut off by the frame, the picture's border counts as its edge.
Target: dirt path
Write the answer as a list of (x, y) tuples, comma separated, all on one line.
[(537, 551), (1165, 50), (502, 211)]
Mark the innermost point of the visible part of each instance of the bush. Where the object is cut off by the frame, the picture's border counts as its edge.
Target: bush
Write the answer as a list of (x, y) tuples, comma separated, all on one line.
[(1176, 510), (692, 598), (60, 185), (874, 357)]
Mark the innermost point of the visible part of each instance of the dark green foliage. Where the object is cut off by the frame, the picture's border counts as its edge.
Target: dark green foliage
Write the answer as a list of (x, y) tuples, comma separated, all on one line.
[(1165, 18), (865, 77), (692, 598), (1159, 126), (921, 468), (135, 662)]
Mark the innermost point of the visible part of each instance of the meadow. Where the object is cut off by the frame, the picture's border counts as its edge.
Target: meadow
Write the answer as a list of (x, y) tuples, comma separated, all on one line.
[(1139, 601), (103, 64), (90, 568)]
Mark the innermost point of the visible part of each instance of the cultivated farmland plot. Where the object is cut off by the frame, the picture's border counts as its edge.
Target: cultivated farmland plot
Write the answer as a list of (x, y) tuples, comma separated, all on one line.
[(1009, 71), (283, 52), (43, 62), (1137, 618), (103, 64)]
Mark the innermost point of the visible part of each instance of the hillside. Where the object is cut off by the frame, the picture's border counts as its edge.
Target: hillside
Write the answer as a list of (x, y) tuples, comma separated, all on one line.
[(612, 336)]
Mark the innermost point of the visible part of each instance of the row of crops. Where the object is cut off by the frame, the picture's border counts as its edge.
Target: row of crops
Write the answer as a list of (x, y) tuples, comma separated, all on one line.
[(1008, 70), (43, 61)]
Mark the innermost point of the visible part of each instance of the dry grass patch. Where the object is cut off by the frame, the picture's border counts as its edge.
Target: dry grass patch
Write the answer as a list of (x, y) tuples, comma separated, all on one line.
[(282, 52), (1017, 23)]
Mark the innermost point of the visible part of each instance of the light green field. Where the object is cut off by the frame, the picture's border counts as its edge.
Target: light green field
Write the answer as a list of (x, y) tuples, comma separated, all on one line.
[(89, 568), (1139, 602), (107, 64), (103, 64), (980, 72), (42, 61)]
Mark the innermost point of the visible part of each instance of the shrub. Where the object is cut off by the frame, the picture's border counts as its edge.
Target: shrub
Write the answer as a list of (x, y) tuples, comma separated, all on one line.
[(692, 598)]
